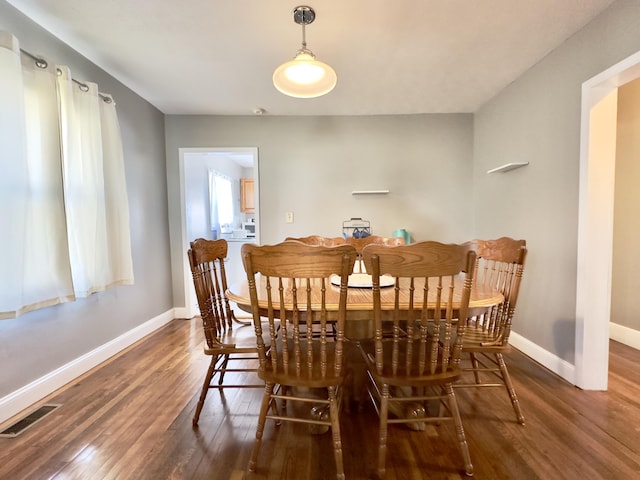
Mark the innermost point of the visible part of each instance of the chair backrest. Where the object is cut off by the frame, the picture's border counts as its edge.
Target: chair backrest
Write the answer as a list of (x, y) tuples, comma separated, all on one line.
[(318, 240), (360, 243), (500, 264), (292, 280), (206, 258), (424, 337)]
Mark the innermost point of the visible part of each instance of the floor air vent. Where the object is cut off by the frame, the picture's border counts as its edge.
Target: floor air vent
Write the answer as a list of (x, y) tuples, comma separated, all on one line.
[(28, 421)]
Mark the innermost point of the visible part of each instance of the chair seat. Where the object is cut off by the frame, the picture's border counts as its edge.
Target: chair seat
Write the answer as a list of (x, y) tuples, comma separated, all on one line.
[(238, 340), (300, 381)]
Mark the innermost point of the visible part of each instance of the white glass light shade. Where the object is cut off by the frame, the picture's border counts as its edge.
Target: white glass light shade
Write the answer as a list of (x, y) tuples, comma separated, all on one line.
[(304, 77)]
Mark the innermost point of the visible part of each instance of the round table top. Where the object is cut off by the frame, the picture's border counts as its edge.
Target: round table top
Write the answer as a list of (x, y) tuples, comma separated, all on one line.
[(360, 299)]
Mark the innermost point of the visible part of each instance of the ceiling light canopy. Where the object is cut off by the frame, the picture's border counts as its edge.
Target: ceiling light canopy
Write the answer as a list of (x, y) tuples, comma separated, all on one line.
[(304, 76)]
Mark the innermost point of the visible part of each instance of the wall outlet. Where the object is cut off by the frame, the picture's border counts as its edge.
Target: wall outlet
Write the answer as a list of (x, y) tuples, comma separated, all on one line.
[(288, 217)]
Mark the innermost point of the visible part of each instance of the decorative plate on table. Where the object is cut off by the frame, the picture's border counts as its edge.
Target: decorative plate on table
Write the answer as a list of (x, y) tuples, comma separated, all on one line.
[(363, 280)]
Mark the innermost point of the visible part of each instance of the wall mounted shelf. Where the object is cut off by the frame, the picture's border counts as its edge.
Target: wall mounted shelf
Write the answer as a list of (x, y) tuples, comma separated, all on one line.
[(508, 166), (369, 192)]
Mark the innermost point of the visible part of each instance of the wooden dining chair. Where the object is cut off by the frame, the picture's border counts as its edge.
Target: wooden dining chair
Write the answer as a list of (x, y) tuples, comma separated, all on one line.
[(499, 264), (418, 362), (318, 240), (354, 365), (360, 243), (223, 343), (282, 280)]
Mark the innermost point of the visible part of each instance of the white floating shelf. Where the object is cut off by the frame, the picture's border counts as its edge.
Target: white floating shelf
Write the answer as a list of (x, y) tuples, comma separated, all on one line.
[(369, 192), (508, 166)]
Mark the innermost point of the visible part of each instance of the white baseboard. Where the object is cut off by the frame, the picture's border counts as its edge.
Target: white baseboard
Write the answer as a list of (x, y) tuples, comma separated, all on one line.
[(35, 391), (182, 312), (627, 336), (554, 363)]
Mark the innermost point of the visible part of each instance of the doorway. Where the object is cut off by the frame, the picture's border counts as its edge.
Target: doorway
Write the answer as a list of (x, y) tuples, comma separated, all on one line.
[(595, 222), (195, 165)]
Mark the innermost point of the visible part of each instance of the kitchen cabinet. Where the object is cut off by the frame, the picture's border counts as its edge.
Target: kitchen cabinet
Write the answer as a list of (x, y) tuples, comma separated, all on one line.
[(247, 197)]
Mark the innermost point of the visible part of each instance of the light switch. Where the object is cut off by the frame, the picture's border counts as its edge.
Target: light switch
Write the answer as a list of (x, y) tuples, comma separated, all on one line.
[(288, 217)]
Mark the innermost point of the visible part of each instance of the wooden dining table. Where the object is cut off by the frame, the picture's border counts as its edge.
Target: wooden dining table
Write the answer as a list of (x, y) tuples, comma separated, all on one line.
[(359, 321)]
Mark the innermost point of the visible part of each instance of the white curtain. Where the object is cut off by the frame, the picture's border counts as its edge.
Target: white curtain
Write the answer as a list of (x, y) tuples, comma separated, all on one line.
[(220, 200), (120, 264), (55, 243)]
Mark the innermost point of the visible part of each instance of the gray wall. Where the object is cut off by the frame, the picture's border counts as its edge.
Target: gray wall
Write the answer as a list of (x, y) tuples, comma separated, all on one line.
[(537, 119), (310, 165), (37, 343)]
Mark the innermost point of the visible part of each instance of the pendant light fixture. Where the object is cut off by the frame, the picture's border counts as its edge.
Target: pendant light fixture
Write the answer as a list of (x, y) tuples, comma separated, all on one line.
[(304, 76)]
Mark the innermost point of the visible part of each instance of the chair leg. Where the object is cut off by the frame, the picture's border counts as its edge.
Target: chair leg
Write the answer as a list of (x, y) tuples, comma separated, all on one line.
[(510, 389), (264, 408), (475, 366), (205, 389), (457, 420), (223, 368), (285, 391), (334, 413), (382, 434), (275, 411)]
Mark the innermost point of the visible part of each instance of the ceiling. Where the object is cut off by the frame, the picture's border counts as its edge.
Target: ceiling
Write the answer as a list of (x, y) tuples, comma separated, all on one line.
[(391, 56)]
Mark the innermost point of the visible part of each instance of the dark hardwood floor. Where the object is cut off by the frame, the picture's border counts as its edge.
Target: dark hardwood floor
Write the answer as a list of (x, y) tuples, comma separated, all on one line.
[(131, 419)]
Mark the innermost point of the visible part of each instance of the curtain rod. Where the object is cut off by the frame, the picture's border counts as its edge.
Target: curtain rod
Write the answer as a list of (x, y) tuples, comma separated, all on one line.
[(42, 63)]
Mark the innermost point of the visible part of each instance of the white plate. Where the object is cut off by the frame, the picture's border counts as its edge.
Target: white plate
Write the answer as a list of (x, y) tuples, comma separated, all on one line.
[(363, 280)]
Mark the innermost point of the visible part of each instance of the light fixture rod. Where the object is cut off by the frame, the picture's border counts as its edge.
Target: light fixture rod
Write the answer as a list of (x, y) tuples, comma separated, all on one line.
[(303, 15), (304, 37)]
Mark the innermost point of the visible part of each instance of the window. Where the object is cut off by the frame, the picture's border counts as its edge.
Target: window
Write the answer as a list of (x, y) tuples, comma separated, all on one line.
[(221, 201)]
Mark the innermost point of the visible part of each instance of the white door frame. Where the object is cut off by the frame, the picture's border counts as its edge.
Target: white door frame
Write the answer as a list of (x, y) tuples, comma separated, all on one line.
[(595, 230)]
